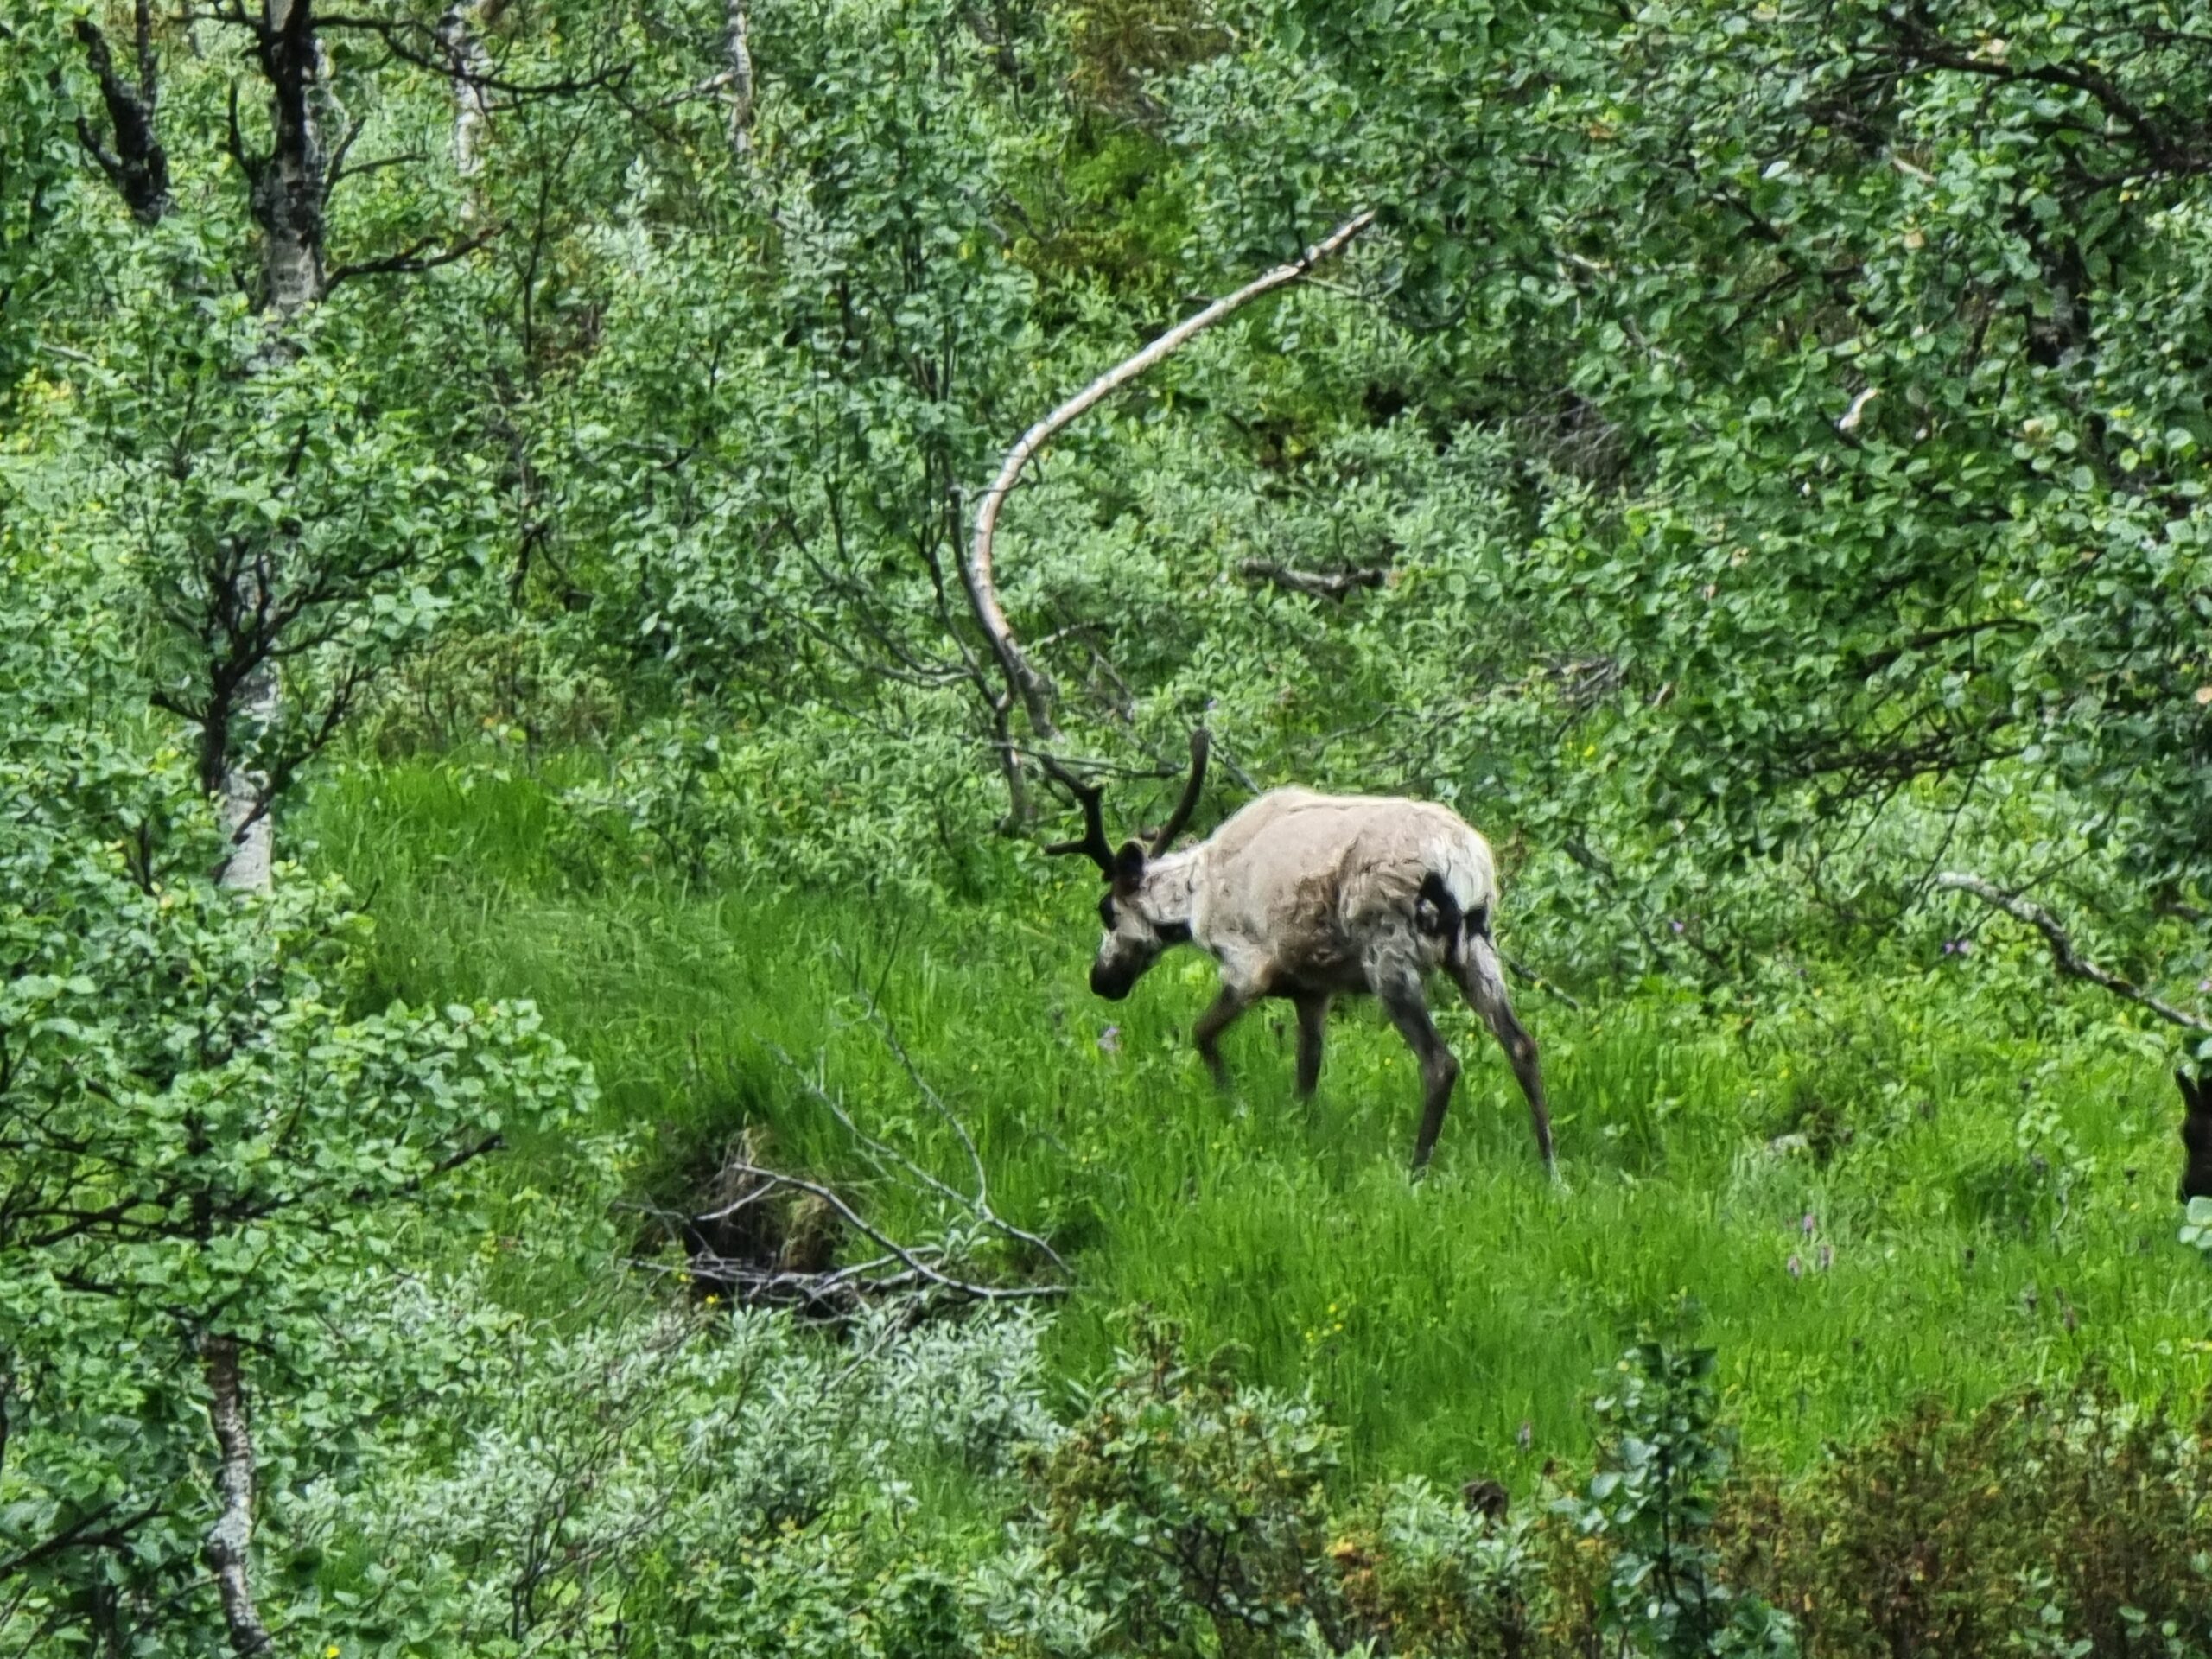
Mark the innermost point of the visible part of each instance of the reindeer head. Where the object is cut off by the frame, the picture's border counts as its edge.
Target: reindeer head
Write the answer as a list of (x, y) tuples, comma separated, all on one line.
[(1138, 925)]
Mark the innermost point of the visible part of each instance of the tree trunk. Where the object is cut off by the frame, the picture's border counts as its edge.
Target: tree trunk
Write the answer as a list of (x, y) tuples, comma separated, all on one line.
[(737, 49), (289, 189), (472, 109), (136, 165), (230, 1540)]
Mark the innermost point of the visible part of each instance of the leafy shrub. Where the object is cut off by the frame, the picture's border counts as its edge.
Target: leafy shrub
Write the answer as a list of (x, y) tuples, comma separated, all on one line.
[(2075, 1524), (738, 1474), (1190, 1513), (1424, 1575), (1650, 1502)]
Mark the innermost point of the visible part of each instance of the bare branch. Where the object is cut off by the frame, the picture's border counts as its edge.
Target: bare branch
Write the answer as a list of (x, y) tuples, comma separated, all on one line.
[(981, 1202), (917, 1264), (927, 1275), (409, 260), (1338, 585), (1022, 677), (2063, 956)]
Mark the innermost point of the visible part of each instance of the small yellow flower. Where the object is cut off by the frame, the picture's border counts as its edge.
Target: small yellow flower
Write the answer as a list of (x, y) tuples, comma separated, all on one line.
[(330, 1652)]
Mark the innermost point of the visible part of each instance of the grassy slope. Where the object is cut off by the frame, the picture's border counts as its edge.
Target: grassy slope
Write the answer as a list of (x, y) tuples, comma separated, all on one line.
[(1435, 1319)]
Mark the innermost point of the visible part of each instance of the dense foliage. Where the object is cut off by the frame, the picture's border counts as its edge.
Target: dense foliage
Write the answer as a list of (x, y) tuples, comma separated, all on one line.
[(500, 734)]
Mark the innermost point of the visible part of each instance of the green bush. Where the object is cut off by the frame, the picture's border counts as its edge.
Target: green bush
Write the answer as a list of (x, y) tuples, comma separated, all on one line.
[(2067, 1523), (1190, 1513)]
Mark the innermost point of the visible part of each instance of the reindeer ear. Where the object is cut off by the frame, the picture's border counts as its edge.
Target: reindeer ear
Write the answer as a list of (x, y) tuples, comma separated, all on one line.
[(1129, 864)]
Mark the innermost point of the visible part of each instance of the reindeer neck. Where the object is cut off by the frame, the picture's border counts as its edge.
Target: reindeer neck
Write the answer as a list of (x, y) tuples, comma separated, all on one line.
[(1171, 887)]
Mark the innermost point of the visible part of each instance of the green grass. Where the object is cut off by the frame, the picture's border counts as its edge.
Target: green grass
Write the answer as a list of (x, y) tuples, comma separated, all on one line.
[(1435, 1319)]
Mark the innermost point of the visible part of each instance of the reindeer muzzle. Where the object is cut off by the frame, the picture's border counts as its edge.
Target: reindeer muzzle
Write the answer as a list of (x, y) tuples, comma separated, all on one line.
[(1112, 983)]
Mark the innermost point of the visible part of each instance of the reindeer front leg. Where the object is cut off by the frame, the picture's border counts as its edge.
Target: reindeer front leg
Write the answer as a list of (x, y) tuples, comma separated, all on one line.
[(1312, 1025), (1225, 1011)]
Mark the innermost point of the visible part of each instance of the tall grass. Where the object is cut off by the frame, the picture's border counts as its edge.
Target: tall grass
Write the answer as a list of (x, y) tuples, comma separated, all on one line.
[(1917, 1230)]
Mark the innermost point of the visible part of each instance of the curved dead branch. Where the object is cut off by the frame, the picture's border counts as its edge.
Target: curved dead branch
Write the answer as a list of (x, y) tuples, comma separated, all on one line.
[(1025, 682), (2069, 962)]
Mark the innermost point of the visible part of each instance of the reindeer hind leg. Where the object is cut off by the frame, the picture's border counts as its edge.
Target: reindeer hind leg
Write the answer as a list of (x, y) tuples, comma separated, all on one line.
[(1483, 979), (1400, 993)]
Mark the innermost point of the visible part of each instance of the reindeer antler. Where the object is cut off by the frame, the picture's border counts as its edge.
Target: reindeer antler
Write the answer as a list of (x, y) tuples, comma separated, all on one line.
[(1201, 742), (1093, 842)]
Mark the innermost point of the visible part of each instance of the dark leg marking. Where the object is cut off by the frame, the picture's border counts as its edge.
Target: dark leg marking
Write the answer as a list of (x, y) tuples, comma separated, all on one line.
[(1437, 914)]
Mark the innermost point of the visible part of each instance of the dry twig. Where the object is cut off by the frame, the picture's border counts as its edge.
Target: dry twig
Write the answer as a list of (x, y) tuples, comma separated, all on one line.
[(1338, 585), (2069, 961)]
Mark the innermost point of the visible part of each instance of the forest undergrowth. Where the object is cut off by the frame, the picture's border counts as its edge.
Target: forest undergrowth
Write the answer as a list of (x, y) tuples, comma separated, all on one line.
[(1897, 1187), (563, 570)]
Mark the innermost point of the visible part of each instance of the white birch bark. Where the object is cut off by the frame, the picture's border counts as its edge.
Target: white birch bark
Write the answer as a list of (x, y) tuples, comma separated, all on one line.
[(472, 109), (737, 84), (244, 818), (289, 206), (292, 187), (230, 1540)]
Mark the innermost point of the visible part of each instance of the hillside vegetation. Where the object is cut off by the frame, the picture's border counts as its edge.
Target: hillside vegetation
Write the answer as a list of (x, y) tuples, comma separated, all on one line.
[(549, 1099)]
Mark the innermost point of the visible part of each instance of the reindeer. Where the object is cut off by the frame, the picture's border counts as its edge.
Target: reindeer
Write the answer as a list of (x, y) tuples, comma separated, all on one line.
[(1308, 897)]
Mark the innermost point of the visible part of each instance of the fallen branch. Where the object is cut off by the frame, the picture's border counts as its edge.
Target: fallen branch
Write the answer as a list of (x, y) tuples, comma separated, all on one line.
[(777, 1263), (1338, 585), (2069, 961), (979, 1204), (900, 1269), (1024, 681)]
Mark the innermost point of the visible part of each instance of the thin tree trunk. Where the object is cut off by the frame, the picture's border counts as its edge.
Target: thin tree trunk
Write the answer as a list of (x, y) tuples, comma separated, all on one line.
[(472, 109), (289, 191), (244, 814), (137, 165), (230, 1540), (289, 195), (737, 86)]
